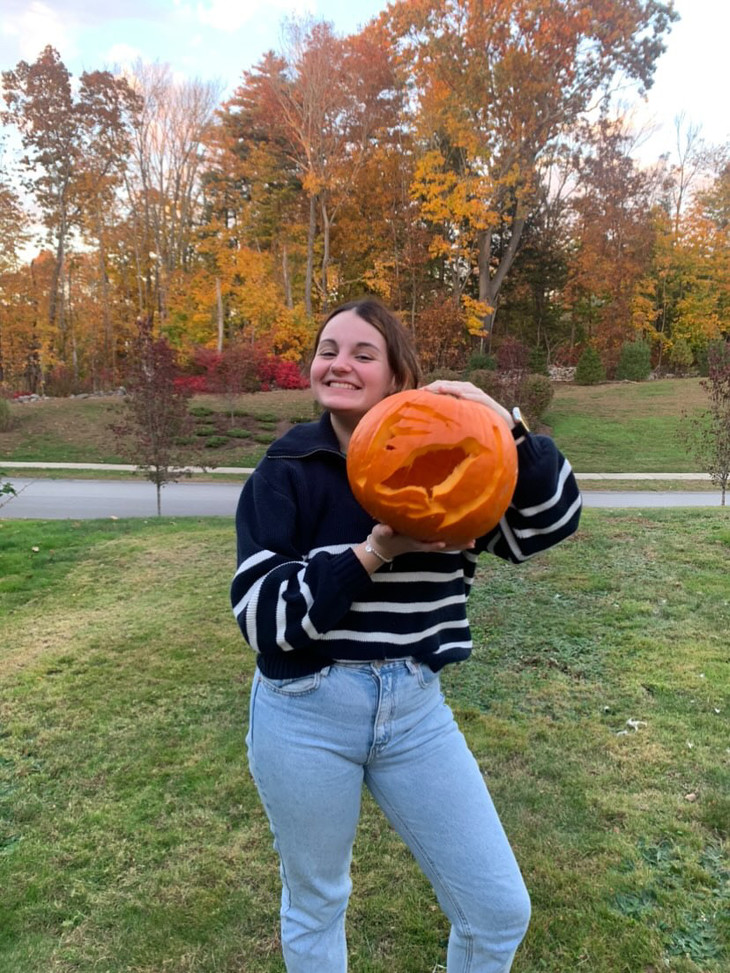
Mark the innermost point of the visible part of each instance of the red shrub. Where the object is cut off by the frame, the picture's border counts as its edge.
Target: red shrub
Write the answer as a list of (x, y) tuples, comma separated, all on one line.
[(192, 384)]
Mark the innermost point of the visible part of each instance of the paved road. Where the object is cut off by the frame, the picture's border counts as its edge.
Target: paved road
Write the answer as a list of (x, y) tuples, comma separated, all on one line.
[(45, 499)]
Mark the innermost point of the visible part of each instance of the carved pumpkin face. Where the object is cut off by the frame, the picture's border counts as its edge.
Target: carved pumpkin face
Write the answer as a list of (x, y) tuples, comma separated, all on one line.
[(432, 466)]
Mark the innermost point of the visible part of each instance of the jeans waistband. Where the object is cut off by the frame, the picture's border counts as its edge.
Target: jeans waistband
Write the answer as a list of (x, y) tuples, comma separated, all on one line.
[(366, 663)]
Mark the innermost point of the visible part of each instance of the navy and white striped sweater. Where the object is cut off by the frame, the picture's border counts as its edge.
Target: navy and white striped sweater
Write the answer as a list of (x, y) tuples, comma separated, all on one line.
[(303, 599)]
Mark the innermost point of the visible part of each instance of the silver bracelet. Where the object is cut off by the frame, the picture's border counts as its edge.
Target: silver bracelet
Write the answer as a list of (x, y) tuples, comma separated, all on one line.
[(371, 550)]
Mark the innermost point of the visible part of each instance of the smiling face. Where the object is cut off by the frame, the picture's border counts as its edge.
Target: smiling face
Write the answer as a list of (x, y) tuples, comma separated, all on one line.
[(350, 370)]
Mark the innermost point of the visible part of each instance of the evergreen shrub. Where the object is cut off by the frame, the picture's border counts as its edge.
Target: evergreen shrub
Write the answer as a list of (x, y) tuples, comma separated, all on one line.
[(635, 362), (538, 361), (480, 361), (590, 370)]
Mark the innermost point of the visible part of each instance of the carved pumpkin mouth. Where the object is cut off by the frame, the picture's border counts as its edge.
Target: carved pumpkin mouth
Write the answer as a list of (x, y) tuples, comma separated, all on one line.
[(427, 470)]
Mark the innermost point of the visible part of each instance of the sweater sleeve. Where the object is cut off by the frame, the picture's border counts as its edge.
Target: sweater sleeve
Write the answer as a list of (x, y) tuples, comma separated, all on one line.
[(284, 598), (545, 507)]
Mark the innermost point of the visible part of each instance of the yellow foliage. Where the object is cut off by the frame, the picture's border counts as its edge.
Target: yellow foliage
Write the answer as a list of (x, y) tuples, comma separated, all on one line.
[(474, 314)]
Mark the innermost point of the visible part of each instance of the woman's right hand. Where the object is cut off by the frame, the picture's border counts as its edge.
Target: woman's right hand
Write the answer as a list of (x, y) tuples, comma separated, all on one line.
[(390, 544)]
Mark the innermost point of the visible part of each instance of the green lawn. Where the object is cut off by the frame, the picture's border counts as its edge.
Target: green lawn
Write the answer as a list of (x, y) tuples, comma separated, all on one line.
[(623, 427), (131, 837)]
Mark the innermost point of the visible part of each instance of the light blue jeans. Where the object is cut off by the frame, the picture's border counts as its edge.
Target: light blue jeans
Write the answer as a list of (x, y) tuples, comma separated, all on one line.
[(313, 741)]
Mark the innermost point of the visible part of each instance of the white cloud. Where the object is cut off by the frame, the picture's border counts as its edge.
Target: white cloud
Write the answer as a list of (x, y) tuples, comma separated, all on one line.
[(123, 55), (231, 15), (34, 25)]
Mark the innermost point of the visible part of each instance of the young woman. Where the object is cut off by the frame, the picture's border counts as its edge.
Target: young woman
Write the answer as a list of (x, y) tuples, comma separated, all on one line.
[(351, 624)]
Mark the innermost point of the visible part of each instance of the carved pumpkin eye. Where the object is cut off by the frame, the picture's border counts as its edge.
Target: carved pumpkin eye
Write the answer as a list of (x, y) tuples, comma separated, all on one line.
[(432, 466)]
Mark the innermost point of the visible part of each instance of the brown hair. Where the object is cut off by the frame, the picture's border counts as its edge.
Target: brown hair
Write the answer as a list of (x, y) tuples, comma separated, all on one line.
[(402, 357)]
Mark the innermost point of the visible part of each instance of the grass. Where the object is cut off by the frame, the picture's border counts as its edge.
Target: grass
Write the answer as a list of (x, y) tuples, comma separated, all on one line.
[(78, 430), (624, 427), (617, 427), (131, 837)]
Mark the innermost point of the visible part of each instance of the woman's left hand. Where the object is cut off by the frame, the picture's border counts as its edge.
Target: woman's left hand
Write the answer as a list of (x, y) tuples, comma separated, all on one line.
[(466, 390)]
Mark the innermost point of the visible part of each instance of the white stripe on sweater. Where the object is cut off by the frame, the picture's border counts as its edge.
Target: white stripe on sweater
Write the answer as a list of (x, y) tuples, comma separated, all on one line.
[(252, 561), (511, 541), (453, 645), (406, 577), (255, 588), (413, 606), (281, 618), (555, 498), (392, 638), (535, 531)]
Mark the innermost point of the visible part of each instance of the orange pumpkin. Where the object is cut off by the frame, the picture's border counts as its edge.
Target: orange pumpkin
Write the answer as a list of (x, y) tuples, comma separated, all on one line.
[(432, 466)]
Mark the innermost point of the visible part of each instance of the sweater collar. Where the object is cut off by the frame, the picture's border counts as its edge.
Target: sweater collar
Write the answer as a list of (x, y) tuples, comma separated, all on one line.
[(305, 439)]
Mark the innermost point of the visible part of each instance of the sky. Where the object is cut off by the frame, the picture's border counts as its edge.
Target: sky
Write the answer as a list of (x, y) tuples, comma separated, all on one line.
[(216, 40)]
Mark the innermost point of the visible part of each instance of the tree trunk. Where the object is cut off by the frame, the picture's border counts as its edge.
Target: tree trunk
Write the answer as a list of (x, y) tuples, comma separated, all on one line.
[(490, 286), (54, 300), (326, 251), (310, 255), (108, 346), (219, 313), (287, 278)]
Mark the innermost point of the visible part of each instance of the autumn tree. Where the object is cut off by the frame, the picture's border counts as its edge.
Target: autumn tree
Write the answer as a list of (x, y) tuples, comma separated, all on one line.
[(157, 415), (612, 239), (14, 222), (381, 242), (13, 237), (497, 84), (318, 110), (703, 311), (669, 305), (253, 190), (76, 145), (163, 184), (533, 297)]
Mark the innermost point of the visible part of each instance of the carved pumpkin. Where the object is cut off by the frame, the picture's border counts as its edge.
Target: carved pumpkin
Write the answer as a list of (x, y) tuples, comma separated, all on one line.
[(432, 466)]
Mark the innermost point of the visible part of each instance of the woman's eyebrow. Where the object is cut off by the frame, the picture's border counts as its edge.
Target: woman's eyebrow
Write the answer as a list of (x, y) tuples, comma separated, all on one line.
[(360, 344)]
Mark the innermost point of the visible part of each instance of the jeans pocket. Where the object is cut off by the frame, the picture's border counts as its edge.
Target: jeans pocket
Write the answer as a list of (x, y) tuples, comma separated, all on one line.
[(424, 673), (296, 686)]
